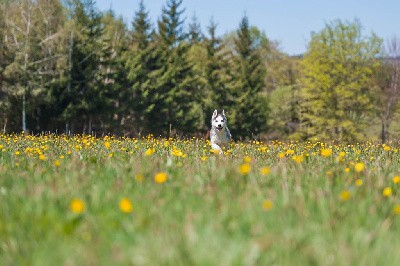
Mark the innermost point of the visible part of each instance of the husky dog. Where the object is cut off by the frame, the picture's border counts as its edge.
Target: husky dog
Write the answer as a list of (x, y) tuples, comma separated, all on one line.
[(219, 133)]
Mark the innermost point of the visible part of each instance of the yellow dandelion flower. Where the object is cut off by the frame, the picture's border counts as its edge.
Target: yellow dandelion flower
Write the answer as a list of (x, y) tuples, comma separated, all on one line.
[(290, 152), (77, 206), (247, 159), (42, 157), (125, 205), (359, 167), (110, 155), (359, 182), (347, 169), (149, 152), (215, 151), (139, 177), (203, 158), (281, 155), (387, 192), (245, 168), (297, 159), (267, 205), (265, 170), (342, 154), (57, 163), (396, 179), (160, 177), (326, 152), (396, 209), (386, 148), (107, 144), (345, 195), (17, 153)]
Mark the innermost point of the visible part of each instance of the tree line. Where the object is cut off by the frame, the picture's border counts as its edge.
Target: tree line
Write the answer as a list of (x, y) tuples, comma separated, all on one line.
[(66, 67)]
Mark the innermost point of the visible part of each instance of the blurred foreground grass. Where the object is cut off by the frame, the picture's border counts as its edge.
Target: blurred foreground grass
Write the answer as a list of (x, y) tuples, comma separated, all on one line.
[(100, 201)]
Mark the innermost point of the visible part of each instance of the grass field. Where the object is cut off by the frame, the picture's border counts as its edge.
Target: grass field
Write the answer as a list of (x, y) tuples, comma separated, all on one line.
[(103, 201)]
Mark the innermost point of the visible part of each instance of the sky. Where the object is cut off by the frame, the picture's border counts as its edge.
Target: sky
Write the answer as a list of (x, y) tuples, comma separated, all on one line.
[(290, 22)]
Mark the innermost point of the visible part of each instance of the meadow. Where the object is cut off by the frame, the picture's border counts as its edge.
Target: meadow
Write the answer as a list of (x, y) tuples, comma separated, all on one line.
[(85, 200)]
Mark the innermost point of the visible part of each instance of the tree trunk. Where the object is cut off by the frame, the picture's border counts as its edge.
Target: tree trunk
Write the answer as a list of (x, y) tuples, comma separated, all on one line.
[(385, 131), (90, 125), (24, 113), (71, 45)]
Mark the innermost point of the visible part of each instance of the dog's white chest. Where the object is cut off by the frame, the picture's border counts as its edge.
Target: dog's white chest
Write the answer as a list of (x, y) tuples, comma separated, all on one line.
[(220, 137)]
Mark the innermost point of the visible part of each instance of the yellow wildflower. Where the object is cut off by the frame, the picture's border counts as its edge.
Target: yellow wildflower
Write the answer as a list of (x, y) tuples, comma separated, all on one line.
[(42, 157), (149, 152), (359, 167), (265, 170), (345, 195), (77, 206), (326, 152), (247, 159), (387, 192), (290, 152), (396, 179), (160, 177), (359, 182), (396, 209), (268, 205), (203, 158), (245, 168), (281, 155), (297, 159), (107, 144), (139, 177), (125, 205), (57, 163)]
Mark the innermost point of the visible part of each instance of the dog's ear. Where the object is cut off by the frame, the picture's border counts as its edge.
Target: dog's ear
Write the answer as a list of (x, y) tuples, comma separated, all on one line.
[(215, 114), (223, 113)]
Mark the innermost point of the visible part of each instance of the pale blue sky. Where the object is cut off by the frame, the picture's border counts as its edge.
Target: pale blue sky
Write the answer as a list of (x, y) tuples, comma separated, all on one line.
[(288, 21)]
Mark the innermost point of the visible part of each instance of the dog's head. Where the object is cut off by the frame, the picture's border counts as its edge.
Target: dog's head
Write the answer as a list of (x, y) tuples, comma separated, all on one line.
[(218, 121)]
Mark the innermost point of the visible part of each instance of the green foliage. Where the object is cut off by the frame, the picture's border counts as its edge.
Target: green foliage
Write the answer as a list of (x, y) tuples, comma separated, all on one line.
[(250, 108), (336, 72), (176, 90)]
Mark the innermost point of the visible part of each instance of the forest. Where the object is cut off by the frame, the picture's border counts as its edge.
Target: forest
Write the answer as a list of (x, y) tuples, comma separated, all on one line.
[(66, 67)]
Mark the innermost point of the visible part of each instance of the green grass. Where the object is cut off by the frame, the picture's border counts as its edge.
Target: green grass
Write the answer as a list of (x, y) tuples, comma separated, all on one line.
[(207, 213)]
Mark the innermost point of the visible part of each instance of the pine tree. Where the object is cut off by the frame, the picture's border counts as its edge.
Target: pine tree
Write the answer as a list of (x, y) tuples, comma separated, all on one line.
[(139, 100), (87, 92), (250, 111), (195, 35), (217, 78), (336, 95), (176, 89)]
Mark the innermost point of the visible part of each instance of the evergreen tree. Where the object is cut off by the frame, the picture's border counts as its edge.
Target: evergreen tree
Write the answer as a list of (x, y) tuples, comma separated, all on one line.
[(114, 73), (4, 61), (250, 111), (336, 95), (176, 95), (217, 78), (138, 100), (195, 35), (88, 95)]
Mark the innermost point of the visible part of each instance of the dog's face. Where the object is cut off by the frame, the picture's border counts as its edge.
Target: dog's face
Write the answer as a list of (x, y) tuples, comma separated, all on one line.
[(218, 121)]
